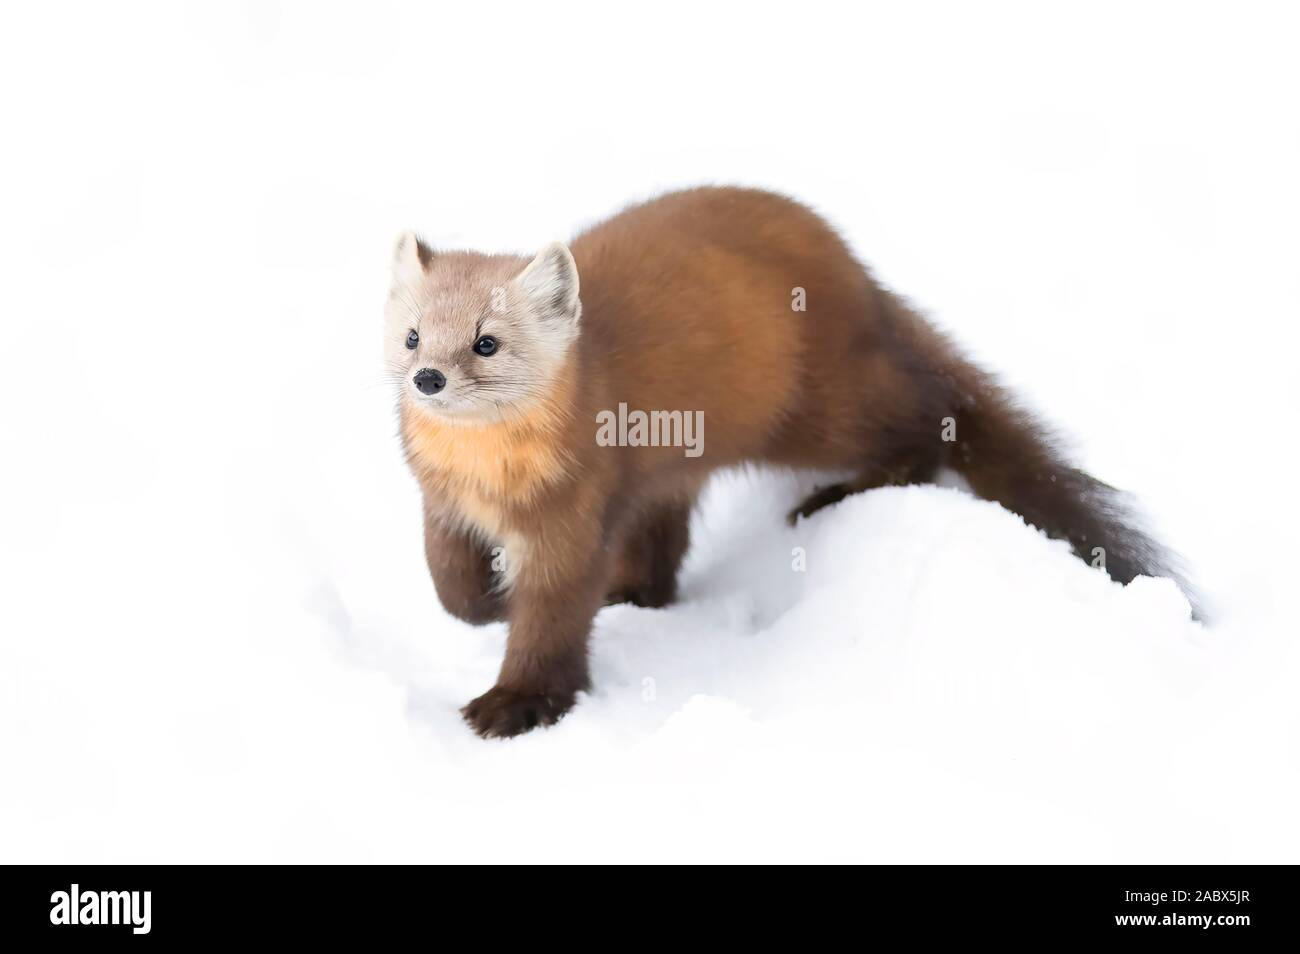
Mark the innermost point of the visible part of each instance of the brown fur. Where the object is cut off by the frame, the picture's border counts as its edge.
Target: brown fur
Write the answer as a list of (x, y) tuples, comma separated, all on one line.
[(686, 305)]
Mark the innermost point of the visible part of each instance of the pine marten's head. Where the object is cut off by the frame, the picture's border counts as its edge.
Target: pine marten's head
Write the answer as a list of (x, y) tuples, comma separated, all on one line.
[(476, 338)]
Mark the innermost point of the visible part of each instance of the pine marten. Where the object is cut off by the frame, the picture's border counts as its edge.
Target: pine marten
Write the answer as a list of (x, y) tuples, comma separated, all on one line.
[(736, 310)]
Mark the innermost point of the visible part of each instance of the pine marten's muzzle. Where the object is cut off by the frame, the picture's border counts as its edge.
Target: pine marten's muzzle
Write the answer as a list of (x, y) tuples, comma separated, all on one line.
[(429, 380)]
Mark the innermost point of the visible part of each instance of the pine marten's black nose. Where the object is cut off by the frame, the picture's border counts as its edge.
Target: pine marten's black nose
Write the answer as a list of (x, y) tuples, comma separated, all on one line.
[(429, 381)]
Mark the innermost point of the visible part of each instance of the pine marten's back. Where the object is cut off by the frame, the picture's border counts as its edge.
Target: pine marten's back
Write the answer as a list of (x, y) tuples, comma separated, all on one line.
[(736, 302)]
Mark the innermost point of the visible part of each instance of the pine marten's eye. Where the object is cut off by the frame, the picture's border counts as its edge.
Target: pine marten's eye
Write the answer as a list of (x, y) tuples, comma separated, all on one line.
[(412, 339), (485, 346)]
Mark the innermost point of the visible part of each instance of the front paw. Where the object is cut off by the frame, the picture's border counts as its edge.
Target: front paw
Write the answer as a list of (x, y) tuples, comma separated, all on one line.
[(500, 713)]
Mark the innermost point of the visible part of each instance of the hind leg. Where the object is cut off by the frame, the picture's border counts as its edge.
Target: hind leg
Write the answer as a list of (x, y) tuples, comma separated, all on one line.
[(899, 474), (653, 547)]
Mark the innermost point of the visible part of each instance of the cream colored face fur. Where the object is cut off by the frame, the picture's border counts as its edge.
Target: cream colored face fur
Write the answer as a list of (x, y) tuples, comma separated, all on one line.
[(451, 300)]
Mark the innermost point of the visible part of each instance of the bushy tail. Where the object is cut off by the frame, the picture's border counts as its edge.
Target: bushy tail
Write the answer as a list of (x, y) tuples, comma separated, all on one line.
[(1008, 456)]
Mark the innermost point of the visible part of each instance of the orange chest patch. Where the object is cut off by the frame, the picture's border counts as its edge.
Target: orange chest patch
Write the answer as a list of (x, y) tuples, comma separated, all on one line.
[(484, 469)]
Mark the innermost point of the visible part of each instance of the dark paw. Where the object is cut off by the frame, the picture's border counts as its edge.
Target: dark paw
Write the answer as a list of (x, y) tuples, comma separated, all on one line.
[(500, 713), (651, 597), (824, 497)]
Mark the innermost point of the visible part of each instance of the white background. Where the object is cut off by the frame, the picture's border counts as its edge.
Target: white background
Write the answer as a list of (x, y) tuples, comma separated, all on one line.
[(219, 639)]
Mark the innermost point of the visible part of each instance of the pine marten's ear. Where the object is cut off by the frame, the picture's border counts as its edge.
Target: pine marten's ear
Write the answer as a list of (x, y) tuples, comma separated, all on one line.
[(550, 282), (410, 258)]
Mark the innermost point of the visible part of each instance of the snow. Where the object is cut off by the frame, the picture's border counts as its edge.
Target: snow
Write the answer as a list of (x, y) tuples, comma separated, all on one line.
[(219, 639)]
